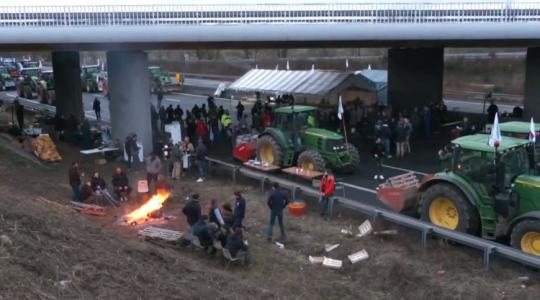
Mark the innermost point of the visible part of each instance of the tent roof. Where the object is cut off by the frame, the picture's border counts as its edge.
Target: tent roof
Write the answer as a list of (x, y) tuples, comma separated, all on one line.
[(377, 76), (314, 82)]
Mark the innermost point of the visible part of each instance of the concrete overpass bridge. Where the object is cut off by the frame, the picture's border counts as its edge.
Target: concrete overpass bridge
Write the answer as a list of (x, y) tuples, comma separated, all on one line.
[(415, 31)]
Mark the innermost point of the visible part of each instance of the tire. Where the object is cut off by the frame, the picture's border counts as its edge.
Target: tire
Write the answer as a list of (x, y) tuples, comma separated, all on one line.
[(311, 160), (444, 205), (269, 150), (355, 159), (525, 236)]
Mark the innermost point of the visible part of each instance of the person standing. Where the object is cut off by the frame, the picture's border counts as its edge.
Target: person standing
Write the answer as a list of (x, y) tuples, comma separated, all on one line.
[(153, 167), (192, 210), (492, 111), (97, 108), (19, 113), (239, 210), (202, 130), (131, 148), (386, 134), (326, 190), (276, 202), (200, 155), (239, 111), (401, 137), (378, 154), (176, 157), (159, 95), (75, 181), (170, 114)]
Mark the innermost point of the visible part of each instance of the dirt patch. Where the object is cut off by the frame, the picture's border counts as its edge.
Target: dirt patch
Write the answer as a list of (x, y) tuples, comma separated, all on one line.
[(55, 253)]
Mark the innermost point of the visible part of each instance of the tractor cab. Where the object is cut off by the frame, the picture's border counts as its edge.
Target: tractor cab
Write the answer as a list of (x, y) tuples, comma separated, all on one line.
[(495, 169), (521, 130)]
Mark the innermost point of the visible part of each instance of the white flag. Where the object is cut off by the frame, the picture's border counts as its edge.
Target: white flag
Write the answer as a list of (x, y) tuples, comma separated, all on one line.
[(287, 65), (312, 68), (532, 133), (340, 109), (346, 63), (277, 67), (256, 67), (495, 136)]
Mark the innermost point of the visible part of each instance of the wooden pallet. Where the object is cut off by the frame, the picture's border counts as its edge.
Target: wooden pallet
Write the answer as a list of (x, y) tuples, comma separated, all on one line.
[(88, 209), (161, 234)]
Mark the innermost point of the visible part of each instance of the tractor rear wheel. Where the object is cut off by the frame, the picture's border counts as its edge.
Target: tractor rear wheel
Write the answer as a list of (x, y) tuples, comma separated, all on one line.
[(311, 160), (526, 237), (269, 151), (444, 205)]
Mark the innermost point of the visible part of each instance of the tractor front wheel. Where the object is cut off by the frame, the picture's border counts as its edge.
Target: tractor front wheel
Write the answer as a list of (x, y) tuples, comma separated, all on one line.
[(444, 205), (526, 237), (355, 159), (269, 151), (311, 160)]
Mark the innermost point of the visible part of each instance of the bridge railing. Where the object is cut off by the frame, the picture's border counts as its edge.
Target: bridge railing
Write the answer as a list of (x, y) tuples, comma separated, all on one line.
[(149, 15)]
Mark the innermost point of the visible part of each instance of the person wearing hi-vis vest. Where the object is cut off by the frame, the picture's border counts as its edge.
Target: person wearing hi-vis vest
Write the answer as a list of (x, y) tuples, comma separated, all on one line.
[(327, 190)]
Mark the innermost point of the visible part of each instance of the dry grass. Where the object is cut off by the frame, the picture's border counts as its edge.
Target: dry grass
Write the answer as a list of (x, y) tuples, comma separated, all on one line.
[(58, 254)]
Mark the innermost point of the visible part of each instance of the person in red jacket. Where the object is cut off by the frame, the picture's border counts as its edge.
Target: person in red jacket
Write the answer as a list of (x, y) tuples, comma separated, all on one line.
[(201, 129), (327, 190)]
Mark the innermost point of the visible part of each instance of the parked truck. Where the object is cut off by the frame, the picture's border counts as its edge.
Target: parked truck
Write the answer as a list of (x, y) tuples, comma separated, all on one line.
[(493, 192)]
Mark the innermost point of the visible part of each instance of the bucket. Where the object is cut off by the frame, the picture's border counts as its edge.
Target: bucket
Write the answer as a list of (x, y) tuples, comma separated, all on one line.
[(297, 209), (142, 186)]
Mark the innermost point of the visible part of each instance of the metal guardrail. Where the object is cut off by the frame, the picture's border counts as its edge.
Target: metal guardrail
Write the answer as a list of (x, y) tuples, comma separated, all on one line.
[(211, 14), (489, 248)]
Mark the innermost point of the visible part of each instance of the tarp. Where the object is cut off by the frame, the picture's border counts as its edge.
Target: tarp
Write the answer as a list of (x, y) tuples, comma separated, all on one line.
[(314, 82), (377, 80)]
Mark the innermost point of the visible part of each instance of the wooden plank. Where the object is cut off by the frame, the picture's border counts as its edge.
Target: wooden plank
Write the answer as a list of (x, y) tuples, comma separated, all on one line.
[(88, 209), (161, 233), (306, 174), (261, 167)]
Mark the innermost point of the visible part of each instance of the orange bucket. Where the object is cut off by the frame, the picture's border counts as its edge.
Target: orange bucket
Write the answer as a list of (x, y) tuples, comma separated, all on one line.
[(297, 209)]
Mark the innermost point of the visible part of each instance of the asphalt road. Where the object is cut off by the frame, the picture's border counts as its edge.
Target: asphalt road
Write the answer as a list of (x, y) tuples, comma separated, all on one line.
[(360, 185)]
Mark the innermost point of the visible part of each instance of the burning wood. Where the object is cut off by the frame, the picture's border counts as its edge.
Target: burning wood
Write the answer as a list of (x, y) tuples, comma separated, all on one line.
[(147, 209)]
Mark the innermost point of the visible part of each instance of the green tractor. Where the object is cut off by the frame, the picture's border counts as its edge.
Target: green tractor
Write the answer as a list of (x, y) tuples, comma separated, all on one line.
[(293, 138), (6, 81), (45, 88), (487, 191), (90, 77), (27, 82), (160, 79)]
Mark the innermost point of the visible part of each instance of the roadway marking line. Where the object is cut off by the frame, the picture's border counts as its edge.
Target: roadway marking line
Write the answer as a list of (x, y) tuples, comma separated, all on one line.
[(172, 100), (403, 169), (11, 94)]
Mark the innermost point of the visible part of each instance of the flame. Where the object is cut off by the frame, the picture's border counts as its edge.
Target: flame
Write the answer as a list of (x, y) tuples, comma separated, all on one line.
[(141, 213)]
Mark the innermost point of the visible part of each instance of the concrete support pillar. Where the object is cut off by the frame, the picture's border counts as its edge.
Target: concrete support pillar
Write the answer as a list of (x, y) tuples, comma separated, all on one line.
[(129, 92), (532, 84), (415, 77), (67, 84)]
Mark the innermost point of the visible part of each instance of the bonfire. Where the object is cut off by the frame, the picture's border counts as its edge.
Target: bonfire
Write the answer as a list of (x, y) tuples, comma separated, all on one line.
[(147, 209)]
